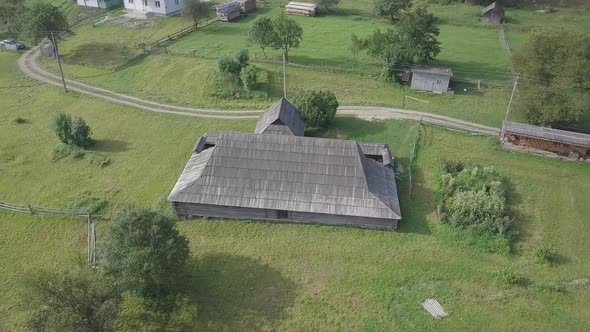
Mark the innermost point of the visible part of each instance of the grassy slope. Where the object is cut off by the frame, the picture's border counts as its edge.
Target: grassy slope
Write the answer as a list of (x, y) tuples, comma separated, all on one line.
[(295, 276)]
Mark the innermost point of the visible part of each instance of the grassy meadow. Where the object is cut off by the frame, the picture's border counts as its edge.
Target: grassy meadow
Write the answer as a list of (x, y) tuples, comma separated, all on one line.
[(263, 276)]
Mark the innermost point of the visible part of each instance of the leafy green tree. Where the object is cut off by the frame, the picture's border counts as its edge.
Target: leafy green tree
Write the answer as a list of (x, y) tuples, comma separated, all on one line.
[(288, 34), (195, 10), (554, 79), (138, 313), (40, 19), (391, 8), (243, 58), (62, 125), (326, 4), (76, 300), (144, 252), (249, 76), (229, 65), (9, 13), (80, 133), (318, 108), (414, 40), (262, 32)]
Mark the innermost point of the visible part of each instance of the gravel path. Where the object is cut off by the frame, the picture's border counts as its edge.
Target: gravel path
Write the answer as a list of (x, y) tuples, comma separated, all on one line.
[(27, 63)]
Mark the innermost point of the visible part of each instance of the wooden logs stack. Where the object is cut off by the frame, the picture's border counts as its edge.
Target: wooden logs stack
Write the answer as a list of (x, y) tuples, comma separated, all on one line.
[(301, 8), (247, 5), (228, 11)]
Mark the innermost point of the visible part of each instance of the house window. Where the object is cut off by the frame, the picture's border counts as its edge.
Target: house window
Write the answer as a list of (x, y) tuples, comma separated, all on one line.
[(437, 81), (158, 4), (145, 3), (130, 1), (282, 214), (176, 2)]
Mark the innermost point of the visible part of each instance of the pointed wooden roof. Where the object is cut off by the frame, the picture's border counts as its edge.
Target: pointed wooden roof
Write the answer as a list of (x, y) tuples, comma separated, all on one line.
[(282, 118)]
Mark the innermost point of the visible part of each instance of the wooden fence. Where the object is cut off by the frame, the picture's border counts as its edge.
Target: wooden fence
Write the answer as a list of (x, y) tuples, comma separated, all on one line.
[(180, 33), (70, 212)]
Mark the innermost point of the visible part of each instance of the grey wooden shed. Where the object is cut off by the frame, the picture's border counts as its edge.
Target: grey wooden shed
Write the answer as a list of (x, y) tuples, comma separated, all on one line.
[(431, 79), (493, 14), (280, 175)]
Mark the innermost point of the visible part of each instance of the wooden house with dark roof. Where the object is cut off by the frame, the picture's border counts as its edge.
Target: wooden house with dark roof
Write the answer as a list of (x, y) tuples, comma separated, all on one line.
[(493, 14), (278, 174)]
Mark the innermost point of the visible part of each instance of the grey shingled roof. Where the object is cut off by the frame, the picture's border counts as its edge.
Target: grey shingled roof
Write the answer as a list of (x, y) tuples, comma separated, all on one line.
[(281, 118), (432, 70), (550, 134), (284, 172), (494, 5)]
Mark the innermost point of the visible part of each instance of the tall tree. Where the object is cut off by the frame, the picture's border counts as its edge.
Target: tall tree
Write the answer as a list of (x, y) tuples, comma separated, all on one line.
[(554, 84), (77, 300), (195, 10), (318, 108), (325, 5), (144, 252), (288, 34), (391, 8), (262, 32), (40, 19), (9, 13), (414, 40)]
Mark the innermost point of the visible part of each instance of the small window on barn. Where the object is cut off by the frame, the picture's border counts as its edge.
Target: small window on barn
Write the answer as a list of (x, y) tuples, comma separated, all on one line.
[(158, 4), (437, 81), (130, 1), (282, 214)]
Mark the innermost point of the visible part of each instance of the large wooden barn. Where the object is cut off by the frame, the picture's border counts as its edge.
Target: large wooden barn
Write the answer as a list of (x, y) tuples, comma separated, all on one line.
[(278, 174)]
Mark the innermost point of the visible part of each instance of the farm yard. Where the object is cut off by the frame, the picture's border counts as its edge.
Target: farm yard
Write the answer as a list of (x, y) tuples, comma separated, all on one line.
[(266, 276)]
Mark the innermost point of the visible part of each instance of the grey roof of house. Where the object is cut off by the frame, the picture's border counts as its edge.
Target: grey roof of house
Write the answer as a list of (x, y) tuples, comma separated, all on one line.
[(281, 118), (549, 134), (492, 6), (432, 70), (285, 172)]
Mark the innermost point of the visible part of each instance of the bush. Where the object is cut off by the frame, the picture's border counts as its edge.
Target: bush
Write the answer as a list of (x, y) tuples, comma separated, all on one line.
[(243, 57), (249, 77), (544, 256), (473, 198), (80, 133), (76, 133), (20, 120), (318, 108), (506, 277), (233, 66)]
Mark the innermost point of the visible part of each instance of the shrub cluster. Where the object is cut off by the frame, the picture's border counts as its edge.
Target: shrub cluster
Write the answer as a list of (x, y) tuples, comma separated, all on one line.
[(235, 77), (72, 132), (318, 108), (473, 198)]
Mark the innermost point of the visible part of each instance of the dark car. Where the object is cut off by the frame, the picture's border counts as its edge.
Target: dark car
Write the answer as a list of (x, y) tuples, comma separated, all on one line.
[(7, 43)]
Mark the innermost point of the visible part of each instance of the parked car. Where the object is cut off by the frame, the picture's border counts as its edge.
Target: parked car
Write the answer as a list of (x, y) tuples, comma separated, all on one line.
[(12, 44)]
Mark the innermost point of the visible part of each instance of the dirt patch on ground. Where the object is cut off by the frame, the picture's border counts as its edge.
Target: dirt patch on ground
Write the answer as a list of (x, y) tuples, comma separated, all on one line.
[(143, 24)]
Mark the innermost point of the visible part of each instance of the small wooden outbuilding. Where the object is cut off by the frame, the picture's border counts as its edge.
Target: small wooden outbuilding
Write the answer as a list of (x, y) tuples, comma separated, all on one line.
[(278, 174), (301, 8), (431, 79), (544, 141), (228, 11), (493, 14)]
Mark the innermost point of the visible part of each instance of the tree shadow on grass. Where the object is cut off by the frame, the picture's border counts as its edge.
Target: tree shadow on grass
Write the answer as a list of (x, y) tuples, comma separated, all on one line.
[(99, 54), (236, 293), (110, 145)]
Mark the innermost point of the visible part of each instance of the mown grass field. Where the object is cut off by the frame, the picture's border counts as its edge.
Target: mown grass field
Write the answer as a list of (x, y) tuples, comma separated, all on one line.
[(297, 277)]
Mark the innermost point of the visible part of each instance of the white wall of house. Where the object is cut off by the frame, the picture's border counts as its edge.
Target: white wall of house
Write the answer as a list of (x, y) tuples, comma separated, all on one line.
[(157, 7), (88, 3)]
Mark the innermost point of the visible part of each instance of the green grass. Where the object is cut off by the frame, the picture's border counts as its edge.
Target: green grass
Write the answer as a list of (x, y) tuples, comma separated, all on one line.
[(297, 277)]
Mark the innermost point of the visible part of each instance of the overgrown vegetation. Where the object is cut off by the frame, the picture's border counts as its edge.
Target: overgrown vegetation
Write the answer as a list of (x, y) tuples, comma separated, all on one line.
[(506, 277), (554, 78), (236, 78), (72, 132), (544, 255), (318, 108), (473, 198)]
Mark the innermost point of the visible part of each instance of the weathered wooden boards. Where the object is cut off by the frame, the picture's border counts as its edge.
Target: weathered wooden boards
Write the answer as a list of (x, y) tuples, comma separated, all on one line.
[(301, 8), (231, 10), (228, 11), (434, 308), (247, 5)]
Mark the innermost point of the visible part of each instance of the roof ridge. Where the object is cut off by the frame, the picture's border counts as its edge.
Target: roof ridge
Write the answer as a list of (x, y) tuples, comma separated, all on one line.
[(200, 168)]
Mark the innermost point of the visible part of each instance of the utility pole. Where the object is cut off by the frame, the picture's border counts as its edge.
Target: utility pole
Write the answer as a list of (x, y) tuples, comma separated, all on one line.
[(56, 48), (284, 73), (509, 106)]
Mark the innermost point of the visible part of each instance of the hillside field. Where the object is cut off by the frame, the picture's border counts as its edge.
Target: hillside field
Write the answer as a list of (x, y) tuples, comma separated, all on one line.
[(267, 276)]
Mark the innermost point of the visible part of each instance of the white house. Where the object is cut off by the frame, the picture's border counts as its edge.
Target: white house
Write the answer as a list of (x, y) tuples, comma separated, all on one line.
[(99, 3), (153, 7)]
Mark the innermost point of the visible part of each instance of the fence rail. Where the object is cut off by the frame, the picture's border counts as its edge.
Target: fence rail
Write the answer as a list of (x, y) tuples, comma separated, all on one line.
[(180, 33), (71, 212)]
